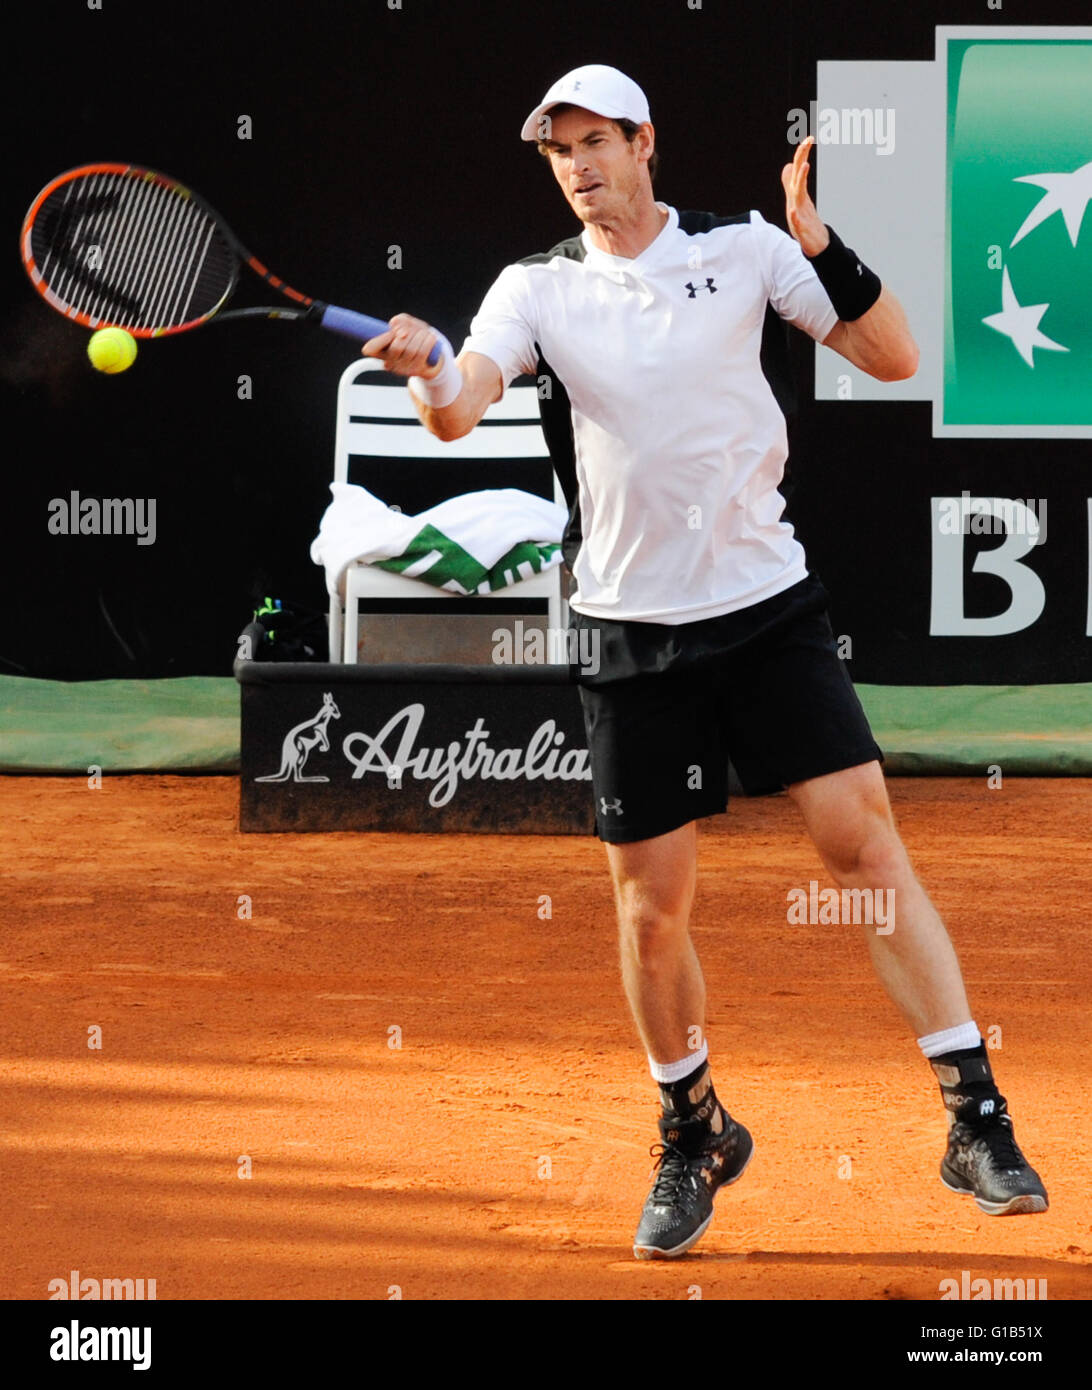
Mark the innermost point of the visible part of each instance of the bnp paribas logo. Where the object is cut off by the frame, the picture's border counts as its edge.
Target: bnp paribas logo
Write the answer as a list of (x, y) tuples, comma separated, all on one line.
[(1018, 303)]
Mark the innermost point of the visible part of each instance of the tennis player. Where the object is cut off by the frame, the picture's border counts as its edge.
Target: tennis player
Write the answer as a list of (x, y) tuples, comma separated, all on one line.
[(663, 336)]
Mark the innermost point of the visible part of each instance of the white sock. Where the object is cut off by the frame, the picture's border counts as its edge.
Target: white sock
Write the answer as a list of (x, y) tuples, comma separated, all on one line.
[(667, 1073), (950, 1039)]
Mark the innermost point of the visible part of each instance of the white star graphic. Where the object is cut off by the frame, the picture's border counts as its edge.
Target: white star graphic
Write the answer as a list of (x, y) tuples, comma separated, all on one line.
[(1068, 194), (1020, 322)]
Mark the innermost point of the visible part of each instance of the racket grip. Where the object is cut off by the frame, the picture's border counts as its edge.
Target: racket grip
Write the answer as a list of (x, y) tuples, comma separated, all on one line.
[(361, 327)]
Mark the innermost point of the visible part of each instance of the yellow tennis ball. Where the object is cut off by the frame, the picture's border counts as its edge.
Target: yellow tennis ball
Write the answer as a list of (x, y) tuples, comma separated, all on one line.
[(112, 350)]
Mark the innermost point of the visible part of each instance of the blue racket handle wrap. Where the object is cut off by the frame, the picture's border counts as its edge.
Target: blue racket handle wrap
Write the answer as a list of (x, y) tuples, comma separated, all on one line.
[(361, 327)]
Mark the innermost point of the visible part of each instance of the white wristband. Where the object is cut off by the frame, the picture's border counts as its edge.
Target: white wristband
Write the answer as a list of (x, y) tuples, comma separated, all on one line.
[(442, 389)]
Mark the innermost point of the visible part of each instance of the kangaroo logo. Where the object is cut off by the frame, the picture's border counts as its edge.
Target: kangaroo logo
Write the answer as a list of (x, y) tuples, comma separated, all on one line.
[(298, 743)]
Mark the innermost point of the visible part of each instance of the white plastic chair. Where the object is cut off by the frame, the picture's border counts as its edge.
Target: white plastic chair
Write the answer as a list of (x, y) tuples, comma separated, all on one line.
[(378, 421)]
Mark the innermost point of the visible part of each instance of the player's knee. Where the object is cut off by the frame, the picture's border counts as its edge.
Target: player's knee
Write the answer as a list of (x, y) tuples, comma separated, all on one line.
[(650, 933), (873, 856)]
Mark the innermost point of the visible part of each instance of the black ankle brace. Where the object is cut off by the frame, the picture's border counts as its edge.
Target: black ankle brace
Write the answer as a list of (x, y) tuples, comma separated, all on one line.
[(692, 1098), (967, 1085)]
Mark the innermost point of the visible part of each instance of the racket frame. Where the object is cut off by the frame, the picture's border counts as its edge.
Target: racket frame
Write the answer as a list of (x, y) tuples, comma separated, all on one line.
[(309, 308)]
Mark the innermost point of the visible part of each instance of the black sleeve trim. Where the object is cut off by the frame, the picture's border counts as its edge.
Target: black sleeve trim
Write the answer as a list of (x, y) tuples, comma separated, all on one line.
[(694, 222), (572, 249), (556, 414)]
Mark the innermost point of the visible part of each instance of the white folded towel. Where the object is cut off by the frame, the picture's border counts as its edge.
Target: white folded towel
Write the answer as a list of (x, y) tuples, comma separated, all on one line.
[(473, 544)]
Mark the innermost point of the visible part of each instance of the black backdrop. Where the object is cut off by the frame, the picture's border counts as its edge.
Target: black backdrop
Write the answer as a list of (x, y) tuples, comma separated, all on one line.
[(375, 126)]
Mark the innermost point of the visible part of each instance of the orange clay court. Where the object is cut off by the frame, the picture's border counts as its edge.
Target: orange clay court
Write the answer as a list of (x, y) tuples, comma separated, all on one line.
[(502, 1151)]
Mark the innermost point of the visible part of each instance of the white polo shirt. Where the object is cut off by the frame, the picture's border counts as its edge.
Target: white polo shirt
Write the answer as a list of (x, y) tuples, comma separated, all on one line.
[(679, 442)]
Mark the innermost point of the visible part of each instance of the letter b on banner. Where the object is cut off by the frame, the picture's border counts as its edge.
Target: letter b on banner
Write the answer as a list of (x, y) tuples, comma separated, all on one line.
[(947, 616)]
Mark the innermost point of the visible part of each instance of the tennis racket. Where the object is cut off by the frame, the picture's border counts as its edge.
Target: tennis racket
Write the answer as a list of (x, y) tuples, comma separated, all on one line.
[(114, 245)]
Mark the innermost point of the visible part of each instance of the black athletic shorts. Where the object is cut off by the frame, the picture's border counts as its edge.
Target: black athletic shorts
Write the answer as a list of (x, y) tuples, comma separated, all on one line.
[(670, 706)]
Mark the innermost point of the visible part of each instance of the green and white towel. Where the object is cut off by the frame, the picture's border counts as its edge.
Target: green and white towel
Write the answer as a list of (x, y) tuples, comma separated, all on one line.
[(473, 544)]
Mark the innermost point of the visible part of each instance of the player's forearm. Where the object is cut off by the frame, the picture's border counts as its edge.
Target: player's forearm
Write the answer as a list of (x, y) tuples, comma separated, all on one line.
[(872, 331), (880, 341), (446, 422), (474, 383), (438, 383)]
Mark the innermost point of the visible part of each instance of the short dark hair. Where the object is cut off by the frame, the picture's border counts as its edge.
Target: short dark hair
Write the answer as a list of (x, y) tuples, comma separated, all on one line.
[(628, 128)]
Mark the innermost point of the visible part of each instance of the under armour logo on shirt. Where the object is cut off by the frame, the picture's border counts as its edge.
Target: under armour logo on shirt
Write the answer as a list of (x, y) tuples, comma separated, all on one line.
[(695, 288), (616, 805)]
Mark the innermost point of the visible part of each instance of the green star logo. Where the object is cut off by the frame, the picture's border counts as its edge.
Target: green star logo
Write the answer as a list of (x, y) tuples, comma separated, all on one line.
[(1018, 300)]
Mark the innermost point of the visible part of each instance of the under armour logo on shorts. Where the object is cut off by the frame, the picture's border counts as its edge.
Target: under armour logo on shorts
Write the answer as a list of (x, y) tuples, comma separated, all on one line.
[(615, 805)]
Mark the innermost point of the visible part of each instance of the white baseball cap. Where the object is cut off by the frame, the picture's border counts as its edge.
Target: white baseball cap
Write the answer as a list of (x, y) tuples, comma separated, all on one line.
[(606, 91)]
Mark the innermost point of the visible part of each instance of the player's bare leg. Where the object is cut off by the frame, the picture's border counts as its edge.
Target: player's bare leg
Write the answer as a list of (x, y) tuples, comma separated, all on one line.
[(703, 1147), (654, 883), (849, 818)]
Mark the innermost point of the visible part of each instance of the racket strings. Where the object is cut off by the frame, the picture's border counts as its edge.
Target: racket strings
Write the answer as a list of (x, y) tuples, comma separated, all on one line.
[(132, 251)]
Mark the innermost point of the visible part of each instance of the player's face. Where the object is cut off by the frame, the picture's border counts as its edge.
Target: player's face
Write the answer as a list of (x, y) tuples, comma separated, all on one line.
[(597, 167)]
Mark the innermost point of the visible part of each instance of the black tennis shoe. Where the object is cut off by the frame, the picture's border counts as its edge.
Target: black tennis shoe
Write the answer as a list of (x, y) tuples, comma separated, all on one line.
[(691, 1163), (984, 1161)]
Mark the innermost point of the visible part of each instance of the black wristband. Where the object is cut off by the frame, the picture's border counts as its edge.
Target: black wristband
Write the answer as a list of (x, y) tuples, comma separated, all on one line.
[(852, 287)]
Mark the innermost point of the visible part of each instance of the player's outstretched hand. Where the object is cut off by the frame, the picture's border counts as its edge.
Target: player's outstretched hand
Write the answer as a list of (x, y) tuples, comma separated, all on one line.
[(803, 221), (405, 347)]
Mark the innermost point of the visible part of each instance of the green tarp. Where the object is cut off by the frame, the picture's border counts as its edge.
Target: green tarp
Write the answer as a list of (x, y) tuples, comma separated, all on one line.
[(191, 724), (958, 730)]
